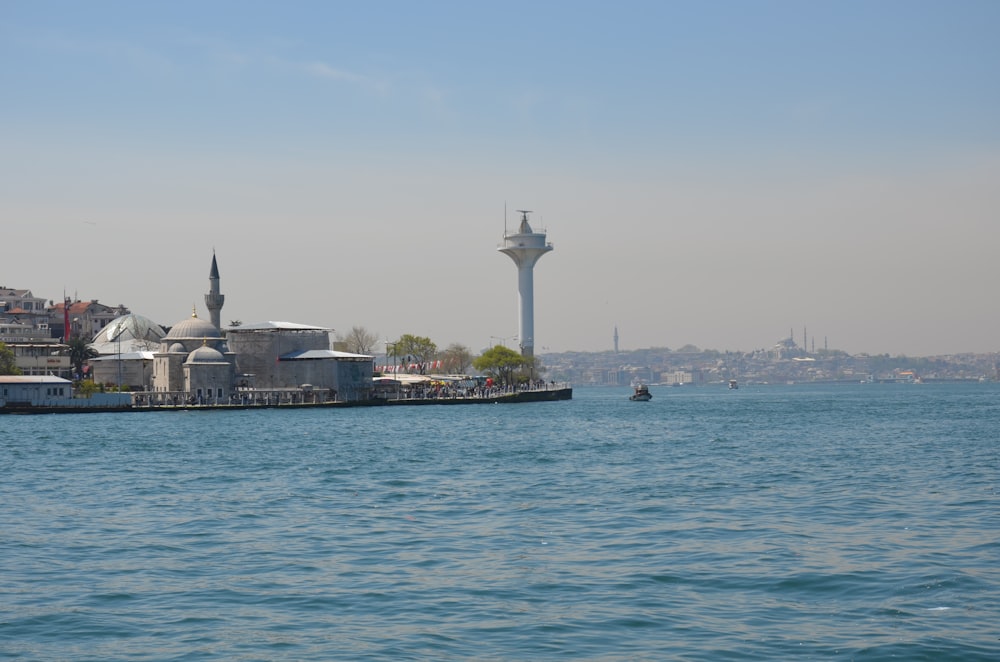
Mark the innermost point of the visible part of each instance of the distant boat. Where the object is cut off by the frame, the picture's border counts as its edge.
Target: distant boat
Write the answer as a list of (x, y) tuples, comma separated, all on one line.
[(733, 384), (641, 394)]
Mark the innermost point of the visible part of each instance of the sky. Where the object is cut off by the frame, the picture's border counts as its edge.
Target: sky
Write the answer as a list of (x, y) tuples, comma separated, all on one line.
[(718, 173)]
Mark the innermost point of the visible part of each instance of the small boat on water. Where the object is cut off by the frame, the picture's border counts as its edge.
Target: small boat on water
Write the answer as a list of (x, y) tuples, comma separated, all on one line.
[(641, 394), (733, 384)]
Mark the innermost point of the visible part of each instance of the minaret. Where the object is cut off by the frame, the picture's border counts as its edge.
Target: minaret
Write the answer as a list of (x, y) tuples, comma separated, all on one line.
[(616, 338), (214, 299), (525, 247)]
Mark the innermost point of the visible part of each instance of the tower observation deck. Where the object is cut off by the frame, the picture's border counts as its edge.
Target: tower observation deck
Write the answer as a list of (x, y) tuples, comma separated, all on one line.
[(525, 247)]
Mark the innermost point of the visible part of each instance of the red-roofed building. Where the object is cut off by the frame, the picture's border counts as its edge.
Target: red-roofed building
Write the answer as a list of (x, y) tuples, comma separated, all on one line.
[(86, 318)]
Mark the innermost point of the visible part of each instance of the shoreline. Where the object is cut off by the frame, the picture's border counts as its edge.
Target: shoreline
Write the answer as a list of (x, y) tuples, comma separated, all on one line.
[(548, 395)]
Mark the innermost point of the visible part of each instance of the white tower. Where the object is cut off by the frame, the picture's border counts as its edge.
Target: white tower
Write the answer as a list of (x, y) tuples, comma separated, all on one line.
[(525, 247), (214, 299)]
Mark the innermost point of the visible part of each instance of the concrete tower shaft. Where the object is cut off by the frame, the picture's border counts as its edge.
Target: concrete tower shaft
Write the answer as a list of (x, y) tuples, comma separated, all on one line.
[(525, 247)]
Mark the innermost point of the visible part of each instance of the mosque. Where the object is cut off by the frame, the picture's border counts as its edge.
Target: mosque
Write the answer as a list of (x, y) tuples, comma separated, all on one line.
[(198, 362)]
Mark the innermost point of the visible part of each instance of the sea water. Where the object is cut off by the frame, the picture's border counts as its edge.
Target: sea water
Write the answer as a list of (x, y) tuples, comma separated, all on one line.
[(770, 522)]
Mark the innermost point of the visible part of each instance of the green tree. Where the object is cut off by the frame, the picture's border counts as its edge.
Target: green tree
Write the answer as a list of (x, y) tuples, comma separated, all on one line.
[(80, 352), (86, 388), (8, 366), (417, 348), (501, 363), (456, 359)]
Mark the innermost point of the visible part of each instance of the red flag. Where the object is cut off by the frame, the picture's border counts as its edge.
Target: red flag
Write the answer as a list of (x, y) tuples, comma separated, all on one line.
[(65, 319)]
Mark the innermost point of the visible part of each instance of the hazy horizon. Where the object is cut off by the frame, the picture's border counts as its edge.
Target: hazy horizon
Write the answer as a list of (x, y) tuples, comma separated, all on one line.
[(714, 174)]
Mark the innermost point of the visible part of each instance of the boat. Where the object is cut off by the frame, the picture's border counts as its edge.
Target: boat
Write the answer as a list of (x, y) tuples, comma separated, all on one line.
[(733, 384), (641, 394)]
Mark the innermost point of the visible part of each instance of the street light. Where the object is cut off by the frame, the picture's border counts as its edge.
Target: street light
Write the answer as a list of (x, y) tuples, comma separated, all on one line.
[(503, 340), (387, 350), (118, 340)]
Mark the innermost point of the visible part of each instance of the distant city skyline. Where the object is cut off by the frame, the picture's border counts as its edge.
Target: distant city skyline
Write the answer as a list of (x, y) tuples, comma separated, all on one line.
[(710, 174)]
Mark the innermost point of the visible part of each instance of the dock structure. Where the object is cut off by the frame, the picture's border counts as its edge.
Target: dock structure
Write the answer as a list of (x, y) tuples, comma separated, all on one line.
[(286, 399)]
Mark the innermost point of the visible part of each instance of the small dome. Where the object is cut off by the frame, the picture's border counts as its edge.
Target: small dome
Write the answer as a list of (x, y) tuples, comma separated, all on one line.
[(193, 328), (205, 354), (177, 348)]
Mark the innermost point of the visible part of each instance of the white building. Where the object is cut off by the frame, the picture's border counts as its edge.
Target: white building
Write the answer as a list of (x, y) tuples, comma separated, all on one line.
[(35, 353), (55, 392)]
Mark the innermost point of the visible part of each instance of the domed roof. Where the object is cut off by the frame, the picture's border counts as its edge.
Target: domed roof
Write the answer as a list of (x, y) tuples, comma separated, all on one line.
[(129, 327), (177, 348), (205, 354), (193, 328), (127, 333)]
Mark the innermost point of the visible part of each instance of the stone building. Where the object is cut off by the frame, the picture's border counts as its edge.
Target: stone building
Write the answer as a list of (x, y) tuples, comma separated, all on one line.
[(197, 361), (193, 363), (125, 350), (285, 356)]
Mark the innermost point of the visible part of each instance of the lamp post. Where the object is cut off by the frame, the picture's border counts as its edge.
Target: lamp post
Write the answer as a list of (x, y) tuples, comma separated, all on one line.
[(503, 339), (118, 341), (389, 345)]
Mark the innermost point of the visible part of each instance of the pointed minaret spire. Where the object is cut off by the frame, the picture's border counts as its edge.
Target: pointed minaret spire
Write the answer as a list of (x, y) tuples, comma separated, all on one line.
[(214, 299)]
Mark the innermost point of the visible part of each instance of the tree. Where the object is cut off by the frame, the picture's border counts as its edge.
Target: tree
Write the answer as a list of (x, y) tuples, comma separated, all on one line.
[(79, 353), (8, 366), (456, 359), (417, 348), (359, 340), (501, 363), (87, 388)]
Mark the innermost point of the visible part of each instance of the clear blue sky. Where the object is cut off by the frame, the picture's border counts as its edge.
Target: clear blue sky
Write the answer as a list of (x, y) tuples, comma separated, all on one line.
[(714, 173)]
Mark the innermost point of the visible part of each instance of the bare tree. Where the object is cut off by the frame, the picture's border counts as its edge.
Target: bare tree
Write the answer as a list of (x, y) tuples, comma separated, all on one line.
[(359, 340), (456, 359)]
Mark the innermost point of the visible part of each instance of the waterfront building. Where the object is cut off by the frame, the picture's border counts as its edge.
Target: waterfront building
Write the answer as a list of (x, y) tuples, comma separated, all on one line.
[(196, 361), (33, 390), (35, 352), (29, 392), (193, 362), (285, 356), (126, 348)]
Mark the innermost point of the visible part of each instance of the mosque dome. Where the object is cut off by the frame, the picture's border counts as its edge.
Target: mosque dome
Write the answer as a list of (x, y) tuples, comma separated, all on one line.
[(128, 333), (129, 327), (205, 354), (177, 348), (193, 328)]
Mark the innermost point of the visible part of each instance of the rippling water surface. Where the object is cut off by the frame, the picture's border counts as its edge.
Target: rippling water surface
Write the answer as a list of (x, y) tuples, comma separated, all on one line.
[(772, 522)]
